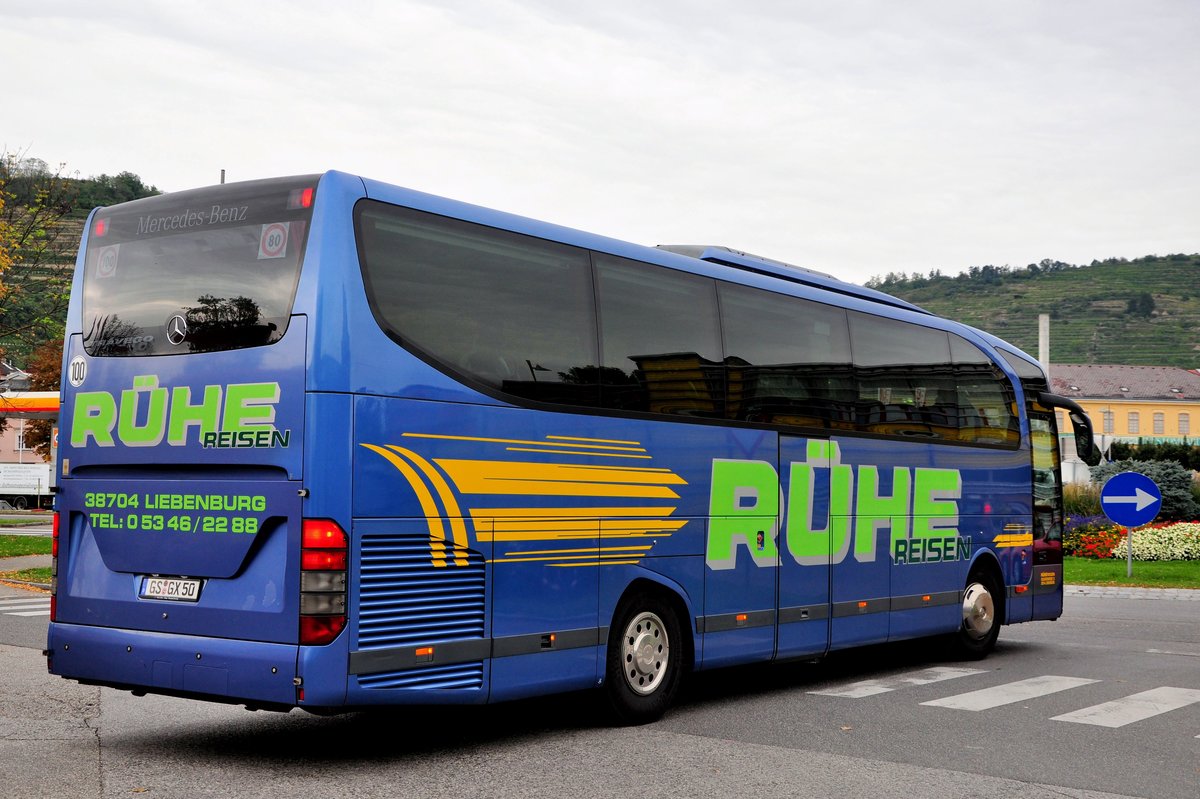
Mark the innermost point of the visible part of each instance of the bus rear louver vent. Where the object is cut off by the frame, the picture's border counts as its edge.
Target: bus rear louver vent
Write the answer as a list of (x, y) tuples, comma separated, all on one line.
[(404, 599), (456, 676)]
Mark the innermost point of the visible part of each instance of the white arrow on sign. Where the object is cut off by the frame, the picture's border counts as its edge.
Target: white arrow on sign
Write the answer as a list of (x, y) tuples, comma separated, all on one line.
[(1139, 500)]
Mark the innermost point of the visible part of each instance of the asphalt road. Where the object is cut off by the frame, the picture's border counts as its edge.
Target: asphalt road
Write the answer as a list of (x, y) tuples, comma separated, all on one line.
[(883, 722)]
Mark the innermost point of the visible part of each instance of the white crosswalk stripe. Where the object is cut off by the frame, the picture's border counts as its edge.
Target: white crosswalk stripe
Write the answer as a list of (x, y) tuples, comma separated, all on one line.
[(33, 606), (1007, 694), (1116, 713), (863, 688), (1136, 707)]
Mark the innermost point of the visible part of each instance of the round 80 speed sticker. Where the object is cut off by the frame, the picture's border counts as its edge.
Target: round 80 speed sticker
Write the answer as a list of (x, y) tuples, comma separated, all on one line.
[(272, 243)]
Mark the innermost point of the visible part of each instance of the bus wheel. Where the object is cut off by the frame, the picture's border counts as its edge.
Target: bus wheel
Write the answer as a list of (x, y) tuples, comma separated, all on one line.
[(20, 503), (645, 652), (980, 616)]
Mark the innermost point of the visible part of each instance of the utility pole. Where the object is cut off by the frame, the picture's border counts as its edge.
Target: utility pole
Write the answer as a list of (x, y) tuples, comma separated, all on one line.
[(1044, 341)]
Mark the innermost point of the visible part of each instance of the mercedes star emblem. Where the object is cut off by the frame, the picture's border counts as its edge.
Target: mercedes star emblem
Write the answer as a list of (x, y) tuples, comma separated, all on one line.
[(177, 330)]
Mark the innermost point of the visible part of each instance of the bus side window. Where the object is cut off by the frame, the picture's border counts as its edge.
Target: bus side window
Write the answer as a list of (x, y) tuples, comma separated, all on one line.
[(660, 340), (985, 396), (512, 312), (787, 359), (901, 369)]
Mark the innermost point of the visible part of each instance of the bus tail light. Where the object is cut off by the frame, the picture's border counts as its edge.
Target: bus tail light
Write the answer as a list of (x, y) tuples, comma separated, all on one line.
[(54, 568), (300, 198), (324, 550)]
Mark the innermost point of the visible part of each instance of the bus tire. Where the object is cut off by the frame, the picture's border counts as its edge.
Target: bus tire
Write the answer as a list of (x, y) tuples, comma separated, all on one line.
[(20, 503), (645, 659), (982, 611)]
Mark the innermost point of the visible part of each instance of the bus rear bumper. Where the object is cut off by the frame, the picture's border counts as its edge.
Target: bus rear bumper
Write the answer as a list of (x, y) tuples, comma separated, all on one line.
[(216, 669)]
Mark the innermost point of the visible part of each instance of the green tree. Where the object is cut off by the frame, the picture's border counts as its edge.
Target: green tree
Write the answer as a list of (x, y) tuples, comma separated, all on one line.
[(45, 369), (35, 271), (110, 190), (1140, 305)]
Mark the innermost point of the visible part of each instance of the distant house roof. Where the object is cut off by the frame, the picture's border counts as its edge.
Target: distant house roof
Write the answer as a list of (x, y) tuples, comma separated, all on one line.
[(12, 378), (1101, 381)]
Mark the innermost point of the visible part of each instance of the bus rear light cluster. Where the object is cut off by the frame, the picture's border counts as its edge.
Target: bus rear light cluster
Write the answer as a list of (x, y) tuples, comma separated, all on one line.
[(324, 550), (54, 569)]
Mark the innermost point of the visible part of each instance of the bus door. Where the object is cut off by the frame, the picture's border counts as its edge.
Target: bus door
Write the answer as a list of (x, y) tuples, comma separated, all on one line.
[(1047, 515), (805, 547), (860, 539), (742, 558)]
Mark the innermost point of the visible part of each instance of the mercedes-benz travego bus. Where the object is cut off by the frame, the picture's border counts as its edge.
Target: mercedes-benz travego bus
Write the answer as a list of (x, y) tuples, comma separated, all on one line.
[(329, 443)]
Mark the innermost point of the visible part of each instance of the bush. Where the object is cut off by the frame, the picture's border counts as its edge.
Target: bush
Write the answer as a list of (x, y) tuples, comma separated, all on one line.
[(1082, 500), (1183, 453), (1174, 481), (1164, 542)]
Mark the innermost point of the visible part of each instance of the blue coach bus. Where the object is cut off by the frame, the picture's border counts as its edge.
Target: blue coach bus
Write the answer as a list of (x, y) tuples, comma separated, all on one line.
[(329, 443)]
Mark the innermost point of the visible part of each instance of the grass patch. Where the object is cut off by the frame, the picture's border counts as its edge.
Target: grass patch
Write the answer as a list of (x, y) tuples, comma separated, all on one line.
[(1148, 574), (40, 575), (24, 522), (12, 546)]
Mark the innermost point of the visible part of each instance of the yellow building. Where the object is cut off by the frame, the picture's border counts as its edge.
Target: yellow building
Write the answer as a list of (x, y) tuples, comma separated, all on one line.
[(1134, 403)]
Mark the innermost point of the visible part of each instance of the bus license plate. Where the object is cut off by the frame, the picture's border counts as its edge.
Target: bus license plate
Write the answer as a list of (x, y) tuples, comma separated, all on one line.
[(178, 589)]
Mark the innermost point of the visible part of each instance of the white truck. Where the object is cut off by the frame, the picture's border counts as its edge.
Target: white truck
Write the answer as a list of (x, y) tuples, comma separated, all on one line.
[(25, 485)]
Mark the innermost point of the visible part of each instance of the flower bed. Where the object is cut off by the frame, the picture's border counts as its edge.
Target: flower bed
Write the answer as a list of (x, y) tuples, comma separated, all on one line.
[(1177, 541), (1168, 541)]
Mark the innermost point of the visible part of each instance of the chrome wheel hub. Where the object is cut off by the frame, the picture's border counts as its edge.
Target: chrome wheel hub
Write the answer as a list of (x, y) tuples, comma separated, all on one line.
[(979, 611), (645, 652)]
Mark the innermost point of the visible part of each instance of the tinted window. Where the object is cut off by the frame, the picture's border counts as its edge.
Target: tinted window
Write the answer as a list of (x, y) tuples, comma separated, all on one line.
[(196, 271), (659, 338), (510, 311), (906, 382), (787, 360), (985, 396)]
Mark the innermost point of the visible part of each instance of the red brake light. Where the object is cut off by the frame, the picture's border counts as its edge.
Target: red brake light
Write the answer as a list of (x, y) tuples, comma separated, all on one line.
[(322, 534), (301, 198), (54, 567), (320, 630), (324, 559), (101, 227)]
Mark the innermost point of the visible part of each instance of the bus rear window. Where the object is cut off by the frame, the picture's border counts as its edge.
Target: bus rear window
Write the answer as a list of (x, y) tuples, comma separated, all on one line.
[(198, 271)]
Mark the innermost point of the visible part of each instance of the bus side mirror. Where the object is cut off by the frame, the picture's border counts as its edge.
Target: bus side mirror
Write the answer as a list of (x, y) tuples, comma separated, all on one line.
[(1085, 445)]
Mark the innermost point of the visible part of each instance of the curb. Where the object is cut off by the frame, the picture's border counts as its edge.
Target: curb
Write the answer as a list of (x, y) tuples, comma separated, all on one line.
[(26, 584)]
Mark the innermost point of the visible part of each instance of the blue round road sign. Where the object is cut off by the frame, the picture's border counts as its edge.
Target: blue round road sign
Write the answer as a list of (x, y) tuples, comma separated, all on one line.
[(1131, 499)]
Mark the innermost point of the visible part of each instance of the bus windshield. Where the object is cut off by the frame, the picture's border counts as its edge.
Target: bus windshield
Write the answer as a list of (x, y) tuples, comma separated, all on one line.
[(198, 271)]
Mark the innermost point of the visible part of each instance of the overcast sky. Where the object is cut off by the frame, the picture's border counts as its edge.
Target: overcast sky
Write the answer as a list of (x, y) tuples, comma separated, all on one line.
[(854, 137)]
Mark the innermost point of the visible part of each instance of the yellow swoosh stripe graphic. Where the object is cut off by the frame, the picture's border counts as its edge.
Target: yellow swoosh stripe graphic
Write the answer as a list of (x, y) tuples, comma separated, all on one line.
[(488, 528), (557, 479), (433, 516), (572, 452), (557, 441), (1013, 540), (442, 486), (454, 516)]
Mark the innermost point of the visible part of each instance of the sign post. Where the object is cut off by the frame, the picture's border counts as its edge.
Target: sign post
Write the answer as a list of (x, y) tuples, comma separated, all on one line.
[(1130, 499)]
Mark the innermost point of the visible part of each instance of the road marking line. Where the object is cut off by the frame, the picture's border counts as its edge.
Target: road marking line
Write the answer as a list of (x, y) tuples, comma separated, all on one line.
[(45, 612), (1009, 693), (1136, 707), (864, 688), (1169, 652), (24, 603)]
